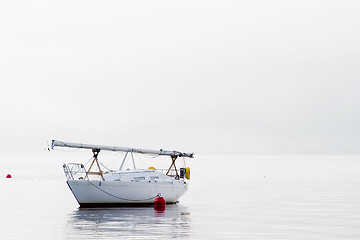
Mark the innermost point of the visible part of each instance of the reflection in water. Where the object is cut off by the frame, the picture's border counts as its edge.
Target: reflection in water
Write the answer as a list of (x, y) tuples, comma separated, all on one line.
[(140, 222)]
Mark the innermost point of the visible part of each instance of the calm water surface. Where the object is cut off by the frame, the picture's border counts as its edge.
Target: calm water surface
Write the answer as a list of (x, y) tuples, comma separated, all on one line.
[(240, 197)]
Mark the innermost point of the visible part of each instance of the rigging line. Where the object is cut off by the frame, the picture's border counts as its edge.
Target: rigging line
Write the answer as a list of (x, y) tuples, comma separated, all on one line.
[(125, 199), (184, 162), (106, 167), (140, 159), (154, 155), (88, 161), (115, 159), (111, 162)]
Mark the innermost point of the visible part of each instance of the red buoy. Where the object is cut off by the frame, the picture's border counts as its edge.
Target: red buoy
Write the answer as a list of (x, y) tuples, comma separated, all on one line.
[(8, 176), (159, 204)]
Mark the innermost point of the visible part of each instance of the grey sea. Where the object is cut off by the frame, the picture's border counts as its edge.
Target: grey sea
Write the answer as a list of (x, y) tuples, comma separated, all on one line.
[(230, 197)]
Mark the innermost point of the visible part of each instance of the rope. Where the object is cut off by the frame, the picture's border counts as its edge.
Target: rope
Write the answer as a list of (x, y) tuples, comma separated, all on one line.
[(125, 199), (137, 156), (105, 167), (88, 161)]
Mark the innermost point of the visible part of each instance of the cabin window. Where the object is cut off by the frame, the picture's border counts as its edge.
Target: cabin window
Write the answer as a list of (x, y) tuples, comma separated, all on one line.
[(137, 179), (153, 178)]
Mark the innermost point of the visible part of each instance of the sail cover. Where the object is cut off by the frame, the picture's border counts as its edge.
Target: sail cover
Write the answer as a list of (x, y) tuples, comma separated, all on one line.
[(56, 143)]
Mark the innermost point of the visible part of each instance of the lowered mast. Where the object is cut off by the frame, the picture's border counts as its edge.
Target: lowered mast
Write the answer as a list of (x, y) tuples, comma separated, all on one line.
[(160, 152)]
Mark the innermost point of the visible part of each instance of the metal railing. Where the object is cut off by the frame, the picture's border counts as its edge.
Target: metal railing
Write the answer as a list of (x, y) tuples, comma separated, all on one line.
[(77, 171), (74, 170), (172, 172)]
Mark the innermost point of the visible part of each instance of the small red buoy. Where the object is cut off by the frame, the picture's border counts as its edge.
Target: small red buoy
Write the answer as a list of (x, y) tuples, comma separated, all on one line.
[(8, 176), (159, 204)]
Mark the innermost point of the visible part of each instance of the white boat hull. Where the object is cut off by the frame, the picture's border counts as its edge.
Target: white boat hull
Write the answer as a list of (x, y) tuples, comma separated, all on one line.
[(97, 193)]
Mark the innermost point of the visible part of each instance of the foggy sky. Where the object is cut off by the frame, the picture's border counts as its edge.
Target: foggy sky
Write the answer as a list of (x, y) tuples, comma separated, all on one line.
[(235, 77)]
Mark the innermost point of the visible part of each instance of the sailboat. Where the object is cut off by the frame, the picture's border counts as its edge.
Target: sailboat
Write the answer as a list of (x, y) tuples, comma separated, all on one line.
[(124, 187)]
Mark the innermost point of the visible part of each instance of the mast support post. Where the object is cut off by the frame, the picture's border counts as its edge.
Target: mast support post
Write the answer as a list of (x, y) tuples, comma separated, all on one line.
[(95, 160), (173, 158)]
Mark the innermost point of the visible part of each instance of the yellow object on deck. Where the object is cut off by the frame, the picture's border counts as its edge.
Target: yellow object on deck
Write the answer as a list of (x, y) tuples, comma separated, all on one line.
[(152, 168), (187, 173)]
